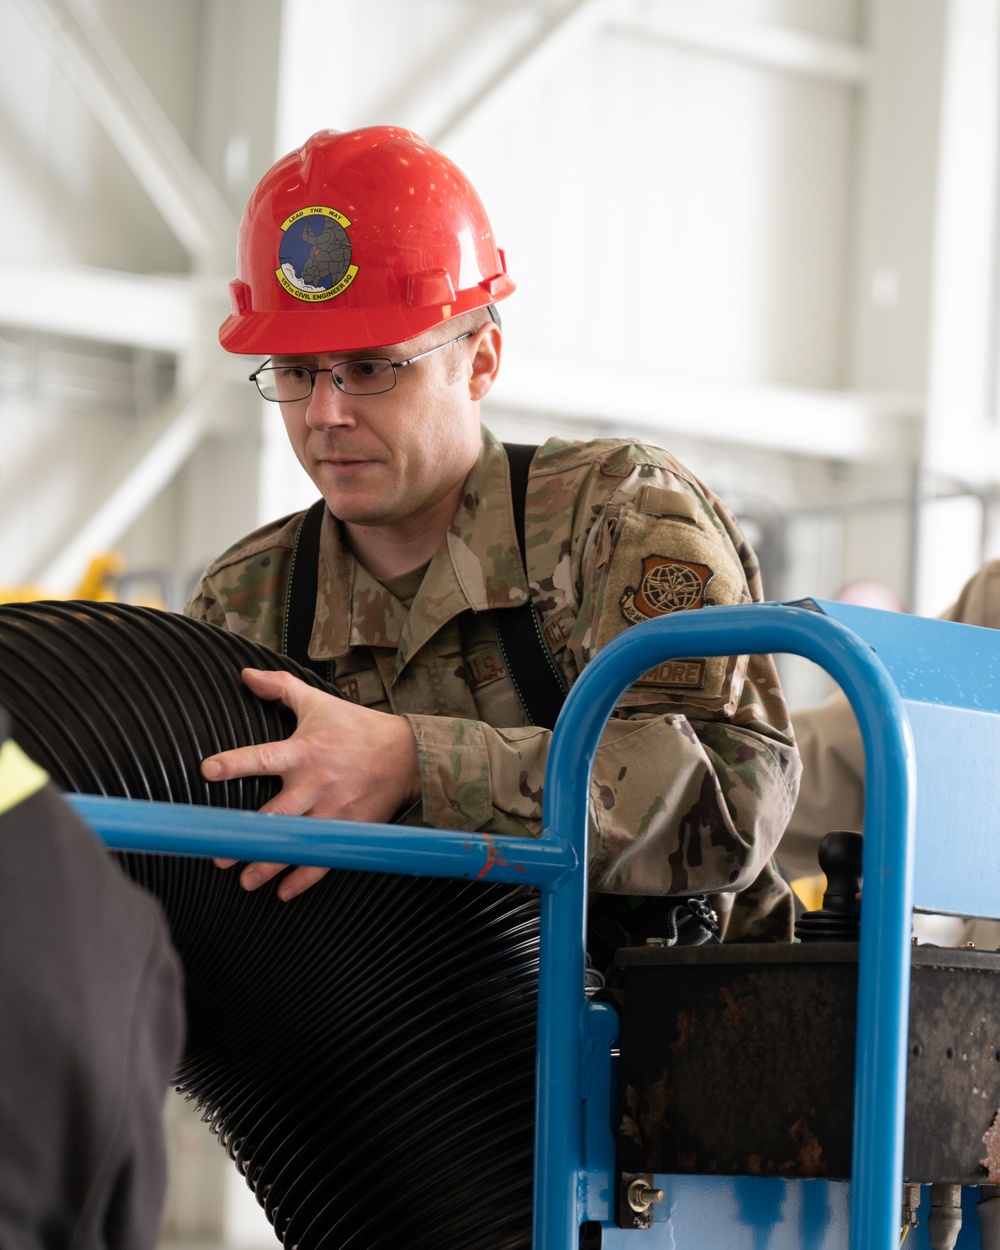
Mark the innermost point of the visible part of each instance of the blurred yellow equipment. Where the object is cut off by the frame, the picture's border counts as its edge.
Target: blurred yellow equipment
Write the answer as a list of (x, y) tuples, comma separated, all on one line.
[(99, 582)]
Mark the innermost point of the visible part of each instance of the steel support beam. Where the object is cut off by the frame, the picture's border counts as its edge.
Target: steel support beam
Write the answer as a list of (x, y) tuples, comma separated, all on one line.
[(758, 43), (769, 45), (559, 29), (108, 305), (157, 452), (85, 52)]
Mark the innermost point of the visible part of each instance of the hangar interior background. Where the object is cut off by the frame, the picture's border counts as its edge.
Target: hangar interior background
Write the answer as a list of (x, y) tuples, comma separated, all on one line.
[(762, 233)]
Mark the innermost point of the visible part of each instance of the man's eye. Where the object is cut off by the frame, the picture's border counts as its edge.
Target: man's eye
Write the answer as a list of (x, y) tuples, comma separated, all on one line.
[(291, 373), (362, 370)]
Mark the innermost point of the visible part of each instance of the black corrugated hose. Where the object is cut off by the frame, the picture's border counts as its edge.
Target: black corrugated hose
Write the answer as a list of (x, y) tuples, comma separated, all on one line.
[(365, 1053)]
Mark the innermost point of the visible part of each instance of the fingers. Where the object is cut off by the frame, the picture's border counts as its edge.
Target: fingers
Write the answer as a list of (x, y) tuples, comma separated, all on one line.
[(343, 762), (258, 874), (299, 880), (276, 684), (255, 875), (269, 759)]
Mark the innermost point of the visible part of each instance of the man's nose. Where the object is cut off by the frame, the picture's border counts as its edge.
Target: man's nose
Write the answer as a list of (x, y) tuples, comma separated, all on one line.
[(328, 406)]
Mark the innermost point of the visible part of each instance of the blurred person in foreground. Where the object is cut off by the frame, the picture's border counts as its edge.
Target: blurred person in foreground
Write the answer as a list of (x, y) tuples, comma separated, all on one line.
[(90, 1031)]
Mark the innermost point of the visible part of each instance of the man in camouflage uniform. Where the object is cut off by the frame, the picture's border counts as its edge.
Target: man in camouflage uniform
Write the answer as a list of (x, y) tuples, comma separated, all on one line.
[(696, 771)]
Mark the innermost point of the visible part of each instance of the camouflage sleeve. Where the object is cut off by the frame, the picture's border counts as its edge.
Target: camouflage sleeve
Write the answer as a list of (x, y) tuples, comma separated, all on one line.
[(697, 769), (474, 776), (678, 806), (682, 805), (244, 589), (204, 604)]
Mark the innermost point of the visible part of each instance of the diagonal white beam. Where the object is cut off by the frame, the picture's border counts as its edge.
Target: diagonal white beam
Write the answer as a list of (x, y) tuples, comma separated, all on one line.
[(679, 23), (154, 457), (83, 50), (573, 20)]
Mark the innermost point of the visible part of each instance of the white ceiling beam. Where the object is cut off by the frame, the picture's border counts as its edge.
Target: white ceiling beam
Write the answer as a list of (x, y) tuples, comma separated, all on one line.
[(156, 453), (682, 24), (591, 401), (109, 305), (83, 50), (760, 43)]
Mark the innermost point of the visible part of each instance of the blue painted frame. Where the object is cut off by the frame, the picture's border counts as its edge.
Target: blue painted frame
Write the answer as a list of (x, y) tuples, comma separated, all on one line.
[(554, 862)]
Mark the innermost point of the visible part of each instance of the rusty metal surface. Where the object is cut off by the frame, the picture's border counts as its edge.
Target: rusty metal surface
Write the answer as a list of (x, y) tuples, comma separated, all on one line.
[(740, 1061)]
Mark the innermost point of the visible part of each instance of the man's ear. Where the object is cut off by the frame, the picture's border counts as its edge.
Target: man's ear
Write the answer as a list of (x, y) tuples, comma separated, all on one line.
[(487, 343)]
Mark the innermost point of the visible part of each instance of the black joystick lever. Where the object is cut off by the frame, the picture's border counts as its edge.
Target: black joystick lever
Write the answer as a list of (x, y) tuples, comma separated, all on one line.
[(838, 920)]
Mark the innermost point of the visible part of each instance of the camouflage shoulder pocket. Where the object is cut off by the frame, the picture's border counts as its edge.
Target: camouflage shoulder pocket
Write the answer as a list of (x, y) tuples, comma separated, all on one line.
[(666, 564)]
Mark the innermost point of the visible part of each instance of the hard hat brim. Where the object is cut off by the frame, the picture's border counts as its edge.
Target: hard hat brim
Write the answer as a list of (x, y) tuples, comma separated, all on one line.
[(312, 332)]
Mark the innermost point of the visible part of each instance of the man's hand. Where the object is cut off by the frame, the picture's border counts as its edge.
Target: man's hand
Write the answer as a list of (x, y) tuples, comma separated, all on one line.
[(344, 762)]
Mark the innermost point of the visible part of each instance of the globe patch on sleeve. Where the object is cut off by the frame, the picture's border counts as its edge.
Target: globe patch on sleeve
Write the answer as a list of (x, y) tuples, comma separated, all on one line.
[(666, 585), (659, 566)]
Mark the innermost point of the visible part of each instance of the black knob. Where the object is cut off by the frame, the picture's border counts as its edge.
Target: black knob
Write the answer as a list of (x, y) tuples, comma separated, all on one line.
[(838, 920)]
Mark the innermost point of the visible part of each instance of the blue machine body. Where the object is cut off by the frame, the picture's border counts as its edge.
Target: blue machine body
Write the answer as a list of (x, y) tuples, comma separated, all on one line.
[(927, 698)]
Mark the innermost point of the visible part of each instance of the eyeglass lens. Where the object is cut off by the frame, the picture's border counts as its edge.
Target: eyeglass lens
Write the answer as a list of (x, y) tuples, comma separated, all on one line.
[(371, 376), (288, 383)]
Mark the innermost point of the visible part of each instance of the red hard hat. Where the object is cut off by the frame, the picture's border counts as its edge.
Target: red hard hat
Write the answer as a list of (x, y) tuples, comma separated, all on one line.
[(357, 240)]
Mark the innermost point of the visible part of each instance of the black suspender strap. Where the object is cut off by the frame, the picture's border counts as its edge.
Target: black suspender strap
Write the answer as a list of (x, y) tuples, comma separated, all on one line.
[(519, 458), (533, 672), (300, 597)]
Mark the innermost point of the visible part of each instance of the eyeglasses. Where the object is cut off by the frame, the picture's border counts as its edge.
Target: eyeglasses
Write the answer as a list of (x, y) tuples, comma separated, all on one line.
[(285, 384)]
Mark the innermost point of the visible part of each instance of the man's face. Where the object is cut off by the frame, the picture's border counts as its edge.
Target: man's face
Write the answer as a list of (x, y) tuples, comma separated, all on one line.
[(396, 458)]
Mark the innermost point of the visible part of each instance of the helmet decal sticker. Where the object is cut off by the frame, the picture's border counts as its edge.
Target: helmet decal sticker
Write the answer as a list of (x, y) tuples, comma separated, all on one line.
[(315, 254)]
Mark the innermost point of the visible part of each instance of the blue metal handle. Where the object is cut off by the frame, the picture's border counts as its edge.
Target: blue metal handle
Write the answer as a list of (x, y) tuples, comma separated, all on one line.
[(884, 970), (179, 829)]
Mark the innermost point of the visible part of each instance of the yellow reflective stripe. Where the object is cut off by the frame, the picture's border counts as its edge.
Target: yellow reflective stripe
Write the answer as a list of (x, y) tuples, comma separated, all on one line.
[(20, 777)]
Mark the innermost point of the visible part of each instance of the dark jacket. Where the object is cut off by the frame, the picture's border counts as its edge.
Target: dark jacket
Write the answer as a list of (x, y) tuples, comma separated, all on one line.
[(91, 1023)]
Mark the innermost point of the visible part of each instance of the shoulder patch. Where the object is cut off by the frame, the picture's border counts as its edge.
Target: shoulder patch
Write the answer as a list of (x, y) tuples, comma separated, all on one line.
[(663, 565), (666, 585)]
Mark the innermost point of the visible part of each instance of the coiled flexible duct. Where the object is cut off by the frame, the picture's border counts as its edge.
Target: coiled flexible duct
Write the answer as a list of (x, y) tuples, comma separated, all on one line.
[(366, 1052)]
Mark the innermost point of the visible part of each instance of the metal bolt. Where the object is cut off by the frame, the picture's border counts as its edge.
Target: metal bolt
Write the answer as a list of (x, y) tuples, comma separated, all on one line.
[(911, 1201), (656, 941), (641, 1196)]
